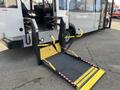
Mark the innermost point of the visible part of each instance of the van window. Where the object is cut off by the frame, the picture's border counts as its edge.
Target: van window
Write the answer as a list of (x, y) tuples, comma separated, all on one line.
[(82, 5), (90, 5), (98, 5), (1, 3), (8, 4), (77, 5), (63, 4), (11, 4)]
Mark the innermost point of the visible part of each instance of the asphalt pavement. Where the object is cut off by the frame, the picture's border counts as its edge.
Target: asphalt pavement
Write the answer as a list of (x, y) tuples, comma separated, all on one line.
[(19, 69)]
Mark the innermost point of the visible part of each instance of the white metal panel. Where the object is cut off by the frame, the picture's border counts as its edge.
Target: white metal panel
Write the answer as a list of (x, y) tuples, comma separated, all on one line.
[(85, 15), (11, 20), (97, 21), (45, 36), (84, 21)]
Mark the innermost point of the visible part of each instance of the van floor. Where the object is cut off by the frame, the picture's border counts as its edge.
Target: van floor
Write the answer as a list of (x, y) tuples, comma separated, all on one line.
[(42, 27)]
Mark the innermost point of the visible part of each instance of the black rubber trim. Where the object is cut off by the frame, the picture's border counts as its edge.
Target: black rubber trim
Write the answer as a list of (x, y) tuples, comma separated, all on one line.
[(14, 44)]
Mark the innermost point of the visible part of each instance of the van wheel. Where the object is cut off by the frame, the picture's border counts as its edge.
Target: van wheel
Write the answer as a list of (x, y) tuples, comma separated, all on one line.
[(106, 22), (69, 32)]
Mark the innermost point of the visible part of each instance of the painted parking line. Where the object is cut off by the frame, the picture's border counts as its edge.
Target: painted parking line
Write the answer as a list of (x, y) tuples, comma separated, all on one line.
[(2, 47), (115, 25)]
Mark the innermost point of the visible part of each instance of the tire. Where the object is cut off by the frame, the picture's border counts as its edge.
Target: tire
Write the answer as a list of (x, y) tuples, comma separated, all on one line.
[(106, 22), (69, 32)]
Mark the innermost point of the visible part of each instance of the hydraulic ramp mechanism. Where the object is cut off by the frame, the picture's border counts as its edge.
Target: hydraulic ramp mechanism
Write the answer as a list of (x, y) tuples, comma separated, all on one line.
[(79, 73)]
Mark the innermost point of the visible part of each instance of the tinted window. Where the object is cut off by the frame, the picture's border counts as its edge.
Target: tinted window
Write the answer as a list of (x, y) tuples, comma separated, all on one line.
[(62, 4), (98, 5), (8, 3), (82, 5), (1, 3), (11, 3), (77, 5), (90, 5)]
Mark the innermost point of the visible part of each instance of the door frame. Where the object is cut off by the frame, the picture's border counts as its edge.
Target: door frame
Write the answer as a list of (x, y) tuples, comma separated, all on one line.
[(63, 13)]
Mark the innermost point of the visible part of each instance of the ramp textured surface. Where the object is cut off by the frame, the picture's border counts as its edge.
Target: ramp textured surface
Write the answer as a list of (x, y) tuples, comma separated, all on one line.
[(69, 66)]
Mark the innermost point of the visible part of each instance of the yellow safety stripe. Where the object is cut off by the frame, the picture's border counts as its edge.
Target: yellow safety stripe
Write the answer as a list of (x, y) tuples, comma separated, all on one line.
[(69, 37), (51, 65), (53, 38), (54, 42), (85, 74), (42, 45), (49, 51), (71, 52), (82, 32), (76, 36), (93, 80), (86, 78)]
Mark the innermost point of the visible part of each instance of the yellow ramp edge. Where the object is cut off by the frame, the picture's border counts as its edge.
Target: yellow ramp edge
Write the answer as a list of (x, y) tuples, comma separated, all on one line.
[(86, 78), (84, 75), (92, 81), (49, 51)]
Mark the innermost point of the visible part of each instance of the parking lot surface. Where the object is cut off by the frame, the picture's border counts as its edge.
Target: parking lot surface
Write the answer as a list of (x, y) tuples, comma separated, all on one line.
[(19, 69)]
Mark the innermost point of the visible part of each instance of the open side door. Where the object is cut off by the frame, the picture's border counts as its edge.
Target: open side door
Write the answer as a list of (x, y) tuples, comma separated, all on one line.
[(108, 13), (11, 19), (110, 10)]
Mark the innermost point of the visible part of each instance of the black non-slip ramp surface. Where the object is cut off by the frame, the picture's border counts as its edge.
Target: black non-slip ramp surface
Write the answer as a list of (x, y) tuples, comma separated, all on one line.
[(79, 73), (69, 66)]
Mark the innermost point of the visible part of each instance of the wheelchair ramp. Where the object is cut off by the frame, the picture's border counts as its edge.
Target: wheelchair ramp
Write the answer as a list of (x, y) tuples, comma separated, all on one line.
[(79, 73), (75, 71)]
